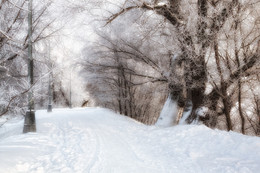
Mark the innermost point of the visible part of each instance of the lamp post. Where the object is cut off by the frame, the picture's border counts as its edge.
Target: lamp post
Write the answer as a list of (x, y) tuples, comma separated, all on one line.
[(70, 106), (29, 121), (3, 71), (49, 109)]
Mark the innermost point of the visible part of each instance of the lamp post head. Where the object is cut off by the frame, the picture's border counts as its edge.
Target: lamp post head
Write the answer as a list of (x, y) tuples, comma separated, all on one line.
[(3, 71)]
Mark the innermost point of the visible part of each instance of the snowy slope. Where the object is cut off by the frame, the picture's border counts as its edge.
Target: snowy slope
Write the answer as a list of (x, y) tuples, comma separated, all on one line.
[(96, 140)]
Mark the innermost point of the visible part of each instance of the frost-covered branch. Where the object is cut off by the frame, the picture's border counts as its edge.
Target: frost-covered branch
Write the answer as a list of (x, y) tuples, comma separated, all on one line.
[(161, 9), (5, 35)]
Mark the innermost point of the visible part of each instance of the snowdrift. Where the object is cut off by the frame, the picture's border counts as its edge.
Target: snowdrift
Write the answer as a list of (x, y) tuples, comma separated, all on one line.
[(97, 140)]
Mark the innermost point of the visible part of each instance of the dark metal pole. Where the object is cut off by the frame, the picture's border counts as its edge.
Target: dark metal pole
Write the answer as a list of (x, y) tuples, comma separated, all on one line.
[(29, 122), (50, 96), (50, 82), (70, 91)]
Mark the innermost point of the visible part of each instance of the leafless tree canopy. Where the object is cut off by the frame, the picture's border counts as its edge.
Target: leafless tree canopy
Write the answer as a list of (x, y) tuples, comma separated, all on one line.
[(205, 52), (13, 53)]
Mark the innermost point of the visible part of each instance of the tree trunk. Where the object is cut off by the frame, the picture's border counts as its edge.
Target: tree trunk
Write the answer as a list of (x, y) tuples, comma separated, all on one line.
[(240, 107), (226, 106)]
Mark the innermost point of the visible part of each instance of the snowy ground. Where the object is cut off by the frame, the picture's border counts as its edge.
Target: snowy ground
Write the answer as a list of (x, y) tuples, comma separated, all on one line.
[(97, 140)]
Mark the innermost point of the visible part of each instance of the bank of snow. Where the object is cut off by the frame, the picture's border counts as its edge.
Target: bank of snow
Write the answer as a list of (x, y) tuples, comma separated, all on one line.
[(98, 140)]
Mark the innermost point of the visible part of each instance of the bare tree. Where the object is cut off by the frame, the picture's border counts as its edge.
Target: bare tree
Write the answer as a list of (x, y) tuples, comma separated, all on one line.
[(117, 78)]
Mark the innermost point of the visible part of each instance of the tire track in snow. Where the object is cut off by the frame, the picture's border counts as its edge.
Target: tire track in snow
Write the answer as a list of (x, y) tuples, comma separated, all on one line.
[(95, 156), (67, 153), (115, 146), (71, 146)]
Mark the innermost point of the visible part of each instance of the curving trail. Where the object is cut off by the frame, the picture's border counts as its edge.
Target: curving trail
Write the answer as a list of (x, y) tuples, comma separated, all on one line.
[(77, 141), (95, 140)]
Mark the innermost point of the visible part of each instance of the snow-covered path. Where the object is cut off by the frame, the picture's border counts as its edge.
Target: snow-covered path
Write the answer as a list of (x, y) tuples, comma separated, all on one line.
[(97, 140)]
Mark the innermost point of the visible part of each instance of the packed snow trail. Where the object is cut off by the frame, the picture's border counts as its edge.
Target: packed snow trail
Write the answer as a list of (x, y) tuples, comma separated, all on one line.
[(96, 140)]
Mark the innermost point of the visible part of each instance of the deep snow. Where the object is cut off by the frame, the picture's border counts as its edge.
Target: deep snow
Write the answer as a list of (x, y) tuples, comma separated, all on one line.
[(98, 140), (168, 113)]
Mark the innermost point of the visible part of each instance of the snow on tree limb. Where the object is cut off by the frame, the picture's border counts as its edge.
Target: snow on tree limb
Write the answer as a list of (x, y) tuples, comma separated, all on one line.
[(17, 6), (5, 35), (113, 17), (161, 9)]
